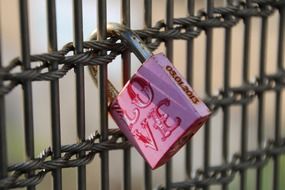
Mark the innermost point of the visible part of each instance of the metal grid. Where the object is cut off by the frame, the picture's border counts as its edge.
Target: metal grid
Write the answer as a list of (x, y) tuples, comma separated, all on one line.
[(59, 62)]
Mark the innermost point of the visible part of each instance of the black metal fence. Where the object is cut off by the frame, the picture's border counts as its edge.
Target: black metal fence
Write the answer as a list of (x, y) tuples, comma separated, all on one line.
[(78, 54)]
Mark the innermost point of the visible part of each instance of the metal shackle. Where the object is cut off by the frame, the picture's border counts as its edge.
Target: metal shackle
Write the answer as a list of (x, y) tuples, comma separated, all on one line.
[(134, 42)]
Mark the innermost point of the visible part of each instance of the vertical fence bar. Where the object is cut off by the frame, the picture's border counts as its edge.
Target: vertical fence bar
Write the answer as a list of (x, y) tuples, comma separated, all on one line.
[(189, 78), (226, 110), (103, 76), (169, 54), (278, 99), (245, 76), (147, 24), (80, 88), (126, 58), (126, 55), (27, 85), (260, 96), (3, 140), (54, 93), (208, 86)]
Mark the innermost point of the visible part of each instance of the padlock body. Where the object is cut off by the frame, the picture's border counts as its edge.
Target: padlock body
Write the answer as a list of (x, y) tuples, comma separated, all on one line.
[(158, 111)]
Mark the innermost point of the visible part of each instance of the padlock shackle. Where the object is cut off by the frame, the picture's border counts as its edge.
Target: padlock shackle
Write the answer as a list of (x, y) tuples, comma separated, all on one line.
[(134, 42), (132, 39)]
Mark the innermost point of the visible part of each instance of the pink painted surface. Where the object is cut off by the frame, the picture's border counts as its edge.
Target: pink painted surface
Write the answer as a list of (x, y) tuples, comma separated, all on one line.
[(158, 111)]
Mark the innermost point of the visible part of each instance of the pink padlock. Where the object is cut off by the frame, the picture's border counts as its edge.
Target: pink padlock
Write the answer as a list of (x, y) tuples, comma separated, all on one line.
[(157, 110)]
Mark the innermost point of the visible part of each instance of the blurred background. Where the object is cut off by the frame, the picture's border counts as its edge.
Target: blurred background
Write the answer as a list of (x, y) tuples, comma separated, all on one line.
[(41, 95)]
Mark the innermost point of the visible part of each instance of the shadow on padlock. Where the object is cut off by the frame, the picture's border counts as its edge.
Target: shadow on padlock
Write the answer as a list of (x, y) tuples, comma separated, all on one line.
[(157, 110)]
